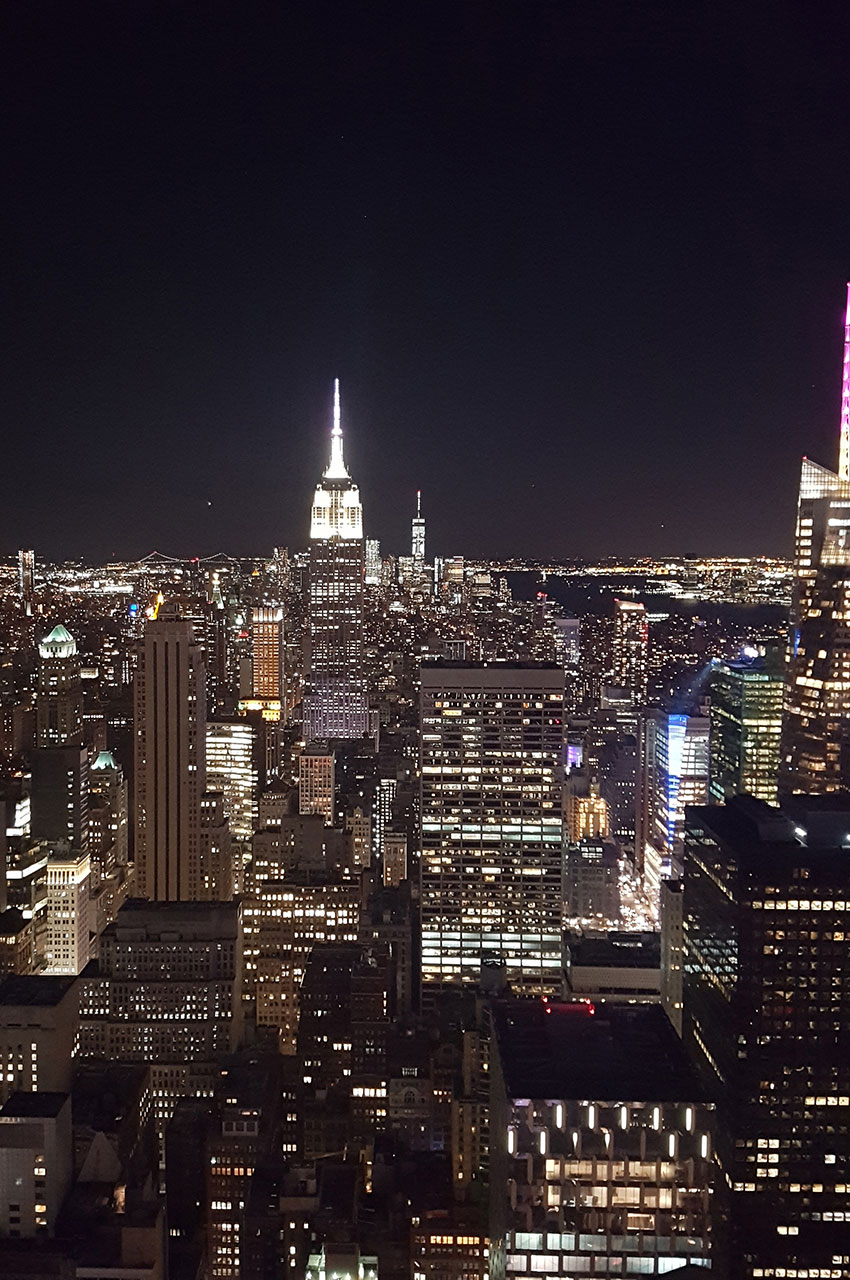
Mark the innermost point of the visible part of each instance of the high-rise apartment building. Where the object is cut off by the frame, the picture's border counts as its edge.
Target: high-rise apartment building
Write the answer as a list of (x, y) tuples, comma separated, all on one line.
[(746, 725), (767, 1012), (631, 646), (268, 655), (169, 726), (59, 706), (816, 731), (335, 704), (492, 828)]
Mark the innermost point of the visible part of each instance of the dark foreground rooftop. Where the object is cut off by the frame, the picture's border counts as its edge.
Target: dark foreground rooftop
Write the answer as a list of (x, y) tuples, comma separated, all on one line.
[(626, 1053), (34, 989)]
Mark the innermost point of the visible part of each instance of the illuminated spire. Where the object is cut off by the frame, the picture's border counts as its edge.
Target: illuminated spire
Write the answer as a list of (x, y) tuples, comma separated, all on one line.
[(844, 447), (336, 468), (418, 503)]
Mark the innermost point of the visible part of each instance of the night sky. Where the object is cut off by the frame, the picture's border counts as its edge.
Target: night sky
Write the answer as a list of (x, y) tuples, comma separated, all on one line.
[(579, 266)]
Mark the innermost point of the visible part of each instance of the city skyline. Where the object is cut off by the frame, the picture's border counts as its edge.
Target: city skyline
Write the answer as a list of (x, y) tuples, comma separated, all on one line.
[(635, 268)]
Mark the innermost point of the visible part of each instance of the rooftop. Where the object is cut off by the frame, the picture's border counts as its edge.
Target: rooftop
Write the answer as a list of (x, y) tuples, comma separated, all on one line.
[(59, 644), (627, 1053), (617, 951), (34, 989), (813, 828), (33, 1106)]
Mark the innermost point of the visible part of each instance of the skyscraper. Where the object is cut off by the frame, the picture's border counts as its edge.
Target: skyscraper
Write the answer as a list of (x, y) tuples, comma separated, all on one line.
[(631, 639), (816, 731), (417, 535), (335, 704), (267, 654), (492, 829), (26, 579), (59, 709), (672, 773), (767, 1011), (170, 726), (746, 725)]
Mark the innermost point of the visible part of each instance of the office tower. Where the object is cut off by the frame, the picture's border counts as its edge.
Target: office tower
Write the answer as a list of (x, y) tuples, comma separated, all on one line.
[(613, 966), (26, 580), (746, 725), (492, 830), (816, 730), (17, 942), (36, 1164), (245, 1130), (567, 645), (235, 752), (316, 781), (166, 989), (417, 536), (169, 727), (288, 917), (107, 814), (342, 1037), (591, 880), (672, 950), (672, 773), (767, 1012), (59, 705), (268, 654), (394, 858), (596, 634), (358, 829), (335, 703), (60, 795), (585, 812), (39, 1017), (630, 651), (452, 572), (618, 784), (219, 870), (69, 923), (601, 1143), (108, 840), (373, 562)]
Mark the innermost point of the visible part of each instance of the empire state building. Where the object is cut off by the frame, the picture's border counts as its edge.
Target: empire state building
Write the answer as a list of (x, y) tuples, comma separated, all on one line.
[(335, 704)]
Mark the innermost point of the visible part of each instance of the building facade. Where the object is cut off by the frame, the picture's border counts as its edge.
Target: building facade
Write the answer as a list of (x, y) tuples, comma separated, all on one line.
[(600, 1143), (747, 698), (767, 1012), (335, 703), (492, 827), (631, 649), (169, 728), (59, 706), (816, 731)]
